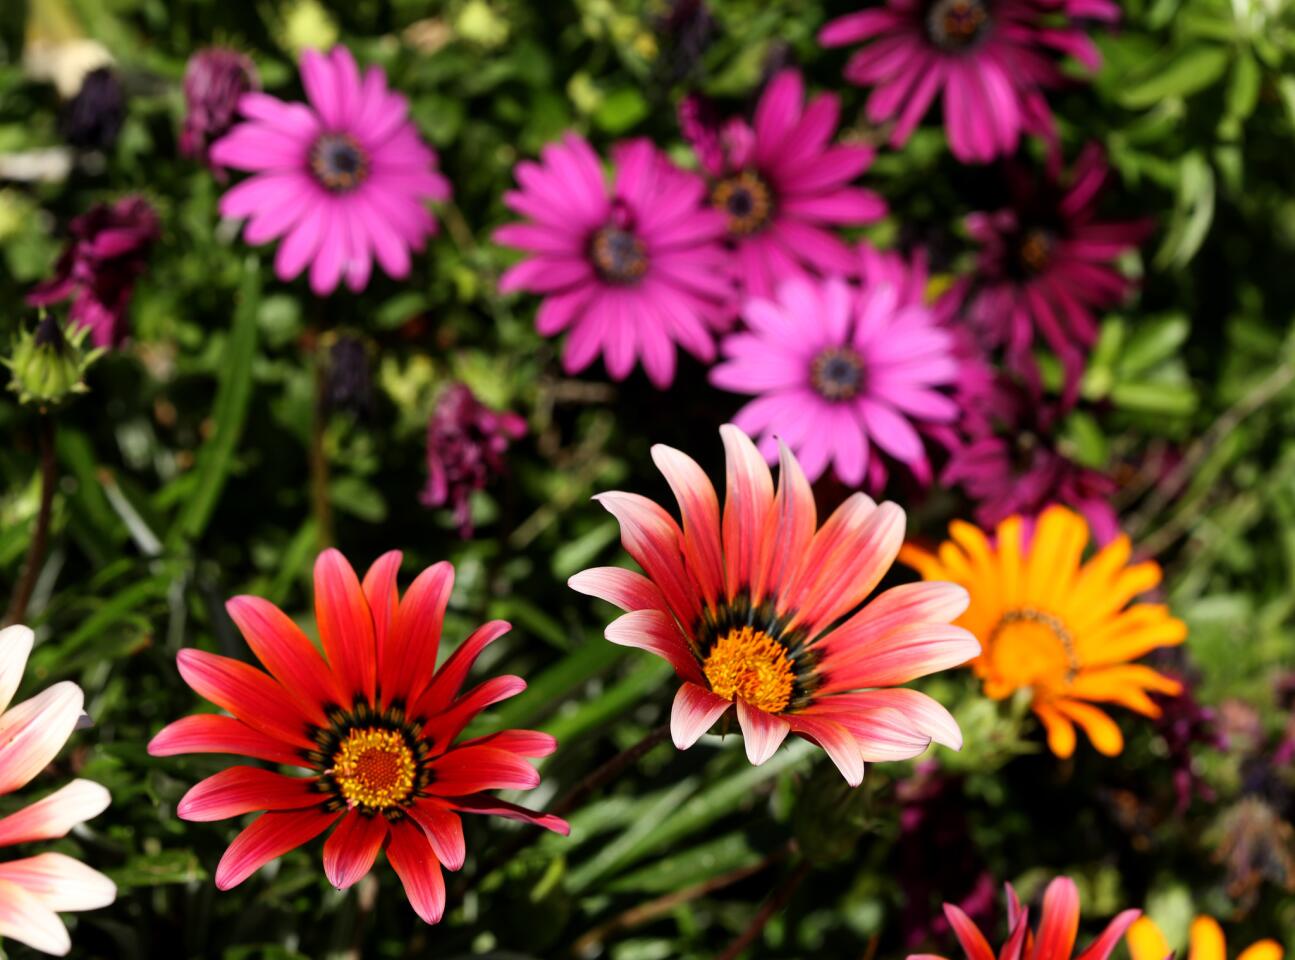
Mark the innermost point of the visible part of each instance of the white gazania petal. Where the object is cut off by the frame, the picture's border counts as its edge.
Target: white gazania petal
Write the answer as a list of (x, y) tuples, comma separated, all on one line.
[(15, 647), (54, 816), (32, 733), (25, 918), (60, 882)]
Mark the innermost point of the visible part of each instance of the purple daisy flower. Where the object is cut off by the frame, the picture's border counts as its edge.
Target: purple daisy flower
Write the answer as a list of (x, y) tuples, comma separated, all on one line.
[(214, 80), (782, 185), (837, 370), (631, 270), (991, 59), (1048, 265)]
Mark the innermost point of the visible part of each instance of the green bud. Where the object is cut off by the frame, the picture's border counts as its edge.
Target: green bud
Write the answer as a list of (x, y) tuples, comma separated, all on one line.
[(49, 363)]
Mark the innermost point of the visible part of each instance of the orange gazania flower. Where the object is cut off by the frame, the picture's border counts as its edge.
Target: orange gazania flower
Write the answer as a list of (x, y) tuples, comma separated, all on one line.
[(1053, 940), (1057, 626), (1146, 942), (756, 608), (373, 721)]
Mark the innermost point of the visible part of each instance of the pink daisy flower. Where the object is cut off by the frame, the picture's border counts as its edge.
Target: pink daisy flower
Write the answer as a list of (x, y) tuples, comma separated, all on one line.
[(838, 370), (782, 185), (34, 890), (758, 608), (341, 179), (1047, 264), (631, 270), (991, 59)]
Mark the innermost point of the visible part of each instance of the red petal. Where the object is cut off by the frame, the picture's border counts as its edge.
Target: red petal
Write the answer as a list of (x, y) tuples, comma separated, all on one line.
[(214, 733), (269, 836), (472, 769), (695, 710), (380, 590), (973, 941), (487, 805), (1101, 947), (412, 858), (1060, 923), (252, 696), (240, 790), (527, 743), (351, 849), (449, 679), (289, 656), (443, 728), (409, 658), (762, 732), (699, 508), (654, 540), (625, 588), (789, 529), (656, 632), (346, 626), (836, 740), (444, 830), (748, 496)]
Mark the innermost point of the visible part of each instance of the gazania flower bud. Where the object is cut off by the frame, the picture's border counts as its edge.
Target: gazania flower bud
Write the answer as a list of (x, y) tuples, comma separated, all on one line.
[(49, 363)]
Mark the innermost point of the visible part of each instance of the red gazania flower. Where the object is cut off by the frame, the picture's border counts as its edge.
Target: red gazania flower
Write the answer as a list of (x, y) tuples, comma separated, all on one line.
[(372, 719), (1055, 937), (754, 608)]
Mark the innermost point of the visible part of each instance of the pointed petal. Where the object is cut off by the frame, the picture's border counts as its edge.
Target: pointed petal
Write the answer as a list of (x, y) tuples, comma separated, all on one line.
[(25, 918), (625, 588), (15, 646), (695, 710), (1103, 946), (345, 626), (841, 747), (409, 660), (60, 883), (747, 499), (473, 769), (1059, 925), (214, 733), (699, 508), (487, 805), (32, 733), (762, 732), (287, 653), (444, 830), (52, 817), (656, 632), (269, 836), (448, 681), (252, 696), (380, 590), (412, 858), (239, 790), (352, 848), (973, 942)]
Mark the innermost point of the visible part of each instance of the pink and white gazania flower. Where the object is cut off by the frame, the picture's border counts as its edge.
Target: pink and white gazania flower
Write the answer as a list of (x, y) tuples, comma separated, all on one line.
[(838, 370), (758, 608), (631, 270), (991, 59), (34, 890), (341, 179), (783, 186)]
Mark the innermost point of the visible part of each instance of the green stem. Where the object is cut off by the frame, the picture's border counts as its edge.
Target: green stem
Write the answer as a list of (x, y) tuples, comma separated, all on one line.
[(17, 611)]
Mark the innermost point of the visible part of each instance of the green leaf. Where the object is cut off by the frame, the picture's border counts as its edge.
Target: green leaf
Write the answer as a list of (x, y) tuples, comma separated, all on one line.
[(620, 110), (1181, 74)]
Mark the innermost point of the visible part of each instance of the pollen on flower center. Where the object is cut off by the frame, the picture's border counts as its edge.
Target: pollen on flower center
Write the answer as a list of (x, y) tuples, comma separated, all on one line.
[(338, 162), (1031, 647), (747, 201), (618, 255), (1035, 250), (748, 664), (837, 374), (374, 768), (956, 25)]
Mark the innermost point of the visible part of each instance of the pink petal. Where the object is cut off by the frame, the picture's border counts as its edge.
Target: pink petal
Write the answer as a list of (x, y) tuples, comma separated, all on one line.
[(59, 882), (695, 710), (25, 918), (15, 646), (656, 632), (53, 816), (762, 732), (33, 732)]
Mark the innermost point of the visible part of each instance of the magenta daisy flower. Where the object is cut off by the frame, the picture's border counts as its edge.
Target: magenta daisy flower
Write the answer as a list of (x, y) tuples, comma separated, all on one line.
[(631, 270), (341, 179), (991, 59), (835, 371), (782, 185), (1047, 264)]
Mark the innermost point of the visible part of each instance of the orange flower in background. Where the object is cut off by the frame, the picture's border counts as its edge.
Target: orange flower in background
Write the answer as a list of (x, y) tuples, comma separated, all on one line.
[(1206, 942), (1055, 937), (1064, 629)]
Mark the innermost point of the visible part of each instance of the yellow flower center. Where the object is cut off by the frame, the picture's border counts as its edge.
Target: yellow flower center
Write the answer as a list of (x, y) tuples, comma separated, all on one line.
[(1029, 647), (750, 665), (374, 768)]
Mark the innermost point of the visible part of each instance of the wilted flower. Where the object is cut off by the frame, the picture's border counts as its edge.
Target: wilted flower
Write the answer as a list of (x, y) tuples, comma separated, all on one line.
[(1146, 942), (783, 186), (373, 721), (49, 363), (1185, 724), (214, 80), (349, 383), (632, 270), (1057, 931), (92, 119), (34, 890), (686, 30), (1008, 458), (991, 59), (754, 608), (842, 376), (108, 251), (1257, 847), (341, 179), (1058, 627), (466, 443), (1047, 265)]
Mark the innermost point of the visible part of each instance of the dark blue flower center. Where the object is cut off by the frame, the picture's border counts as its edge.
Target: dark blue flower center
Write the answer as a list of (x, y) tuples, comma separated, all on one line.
[(957, 25), (338, 162), (618, 255), (747, 201), (837, 374)]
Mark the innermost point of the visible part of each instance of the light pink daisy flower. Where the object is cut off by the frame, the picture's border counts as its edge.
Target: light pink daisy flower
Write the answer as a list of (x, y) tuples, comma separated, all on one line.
[(342, 179), (33, 890), (631, 270), (783, 186), (836, 370), (991, 59)]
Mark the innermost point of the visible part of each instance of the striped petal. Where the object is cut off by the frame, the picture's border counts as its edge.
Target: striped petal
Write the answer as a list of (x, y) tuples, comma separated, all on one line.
[(52, 817), (409, 658), (238, 790), (60, 882), (15, 646), (32, 733), (268, 837), (25, 917), (762, 733), (346, 626), (352, 848), (214, 733), (656, 632), (695, 710), (414, 861), (287, 654)]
